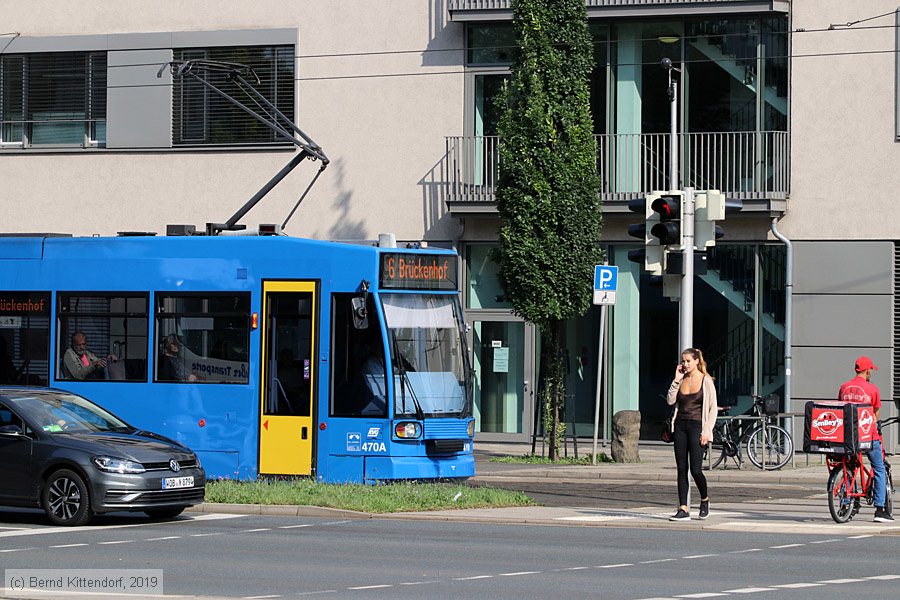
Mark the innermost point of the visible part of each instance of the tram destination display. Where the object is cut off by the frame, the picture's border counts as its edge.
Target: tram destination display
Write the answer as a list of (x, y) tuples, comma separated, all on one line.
[(404, 271)]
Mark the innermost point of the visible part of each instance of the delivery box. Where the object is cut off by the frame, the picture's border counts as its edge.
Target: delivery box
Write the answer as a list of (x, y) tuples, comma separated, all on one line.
[(838, 427)]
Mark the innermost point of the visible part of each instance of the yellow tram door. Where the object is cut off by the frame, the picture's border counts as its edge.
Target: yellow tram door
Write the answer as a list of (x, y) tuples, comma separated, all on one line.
[(288, 377)]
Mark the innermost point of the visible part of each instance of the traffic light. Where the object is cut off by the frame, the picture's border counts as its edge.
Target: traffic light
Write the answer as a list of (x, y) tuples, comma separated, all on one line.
[(711, 206), (668, 208), (651, 255)]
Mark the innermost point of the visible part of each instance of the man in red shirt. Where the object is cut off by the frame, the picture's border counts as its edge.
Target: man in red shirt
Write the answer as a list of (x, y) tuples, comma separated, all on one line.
[(861, 390)]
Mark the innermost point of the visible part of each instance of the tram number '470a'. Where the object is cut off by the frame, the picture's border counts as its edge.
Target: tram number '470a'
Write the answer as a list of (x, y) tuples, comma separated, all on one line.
[(373, 447)]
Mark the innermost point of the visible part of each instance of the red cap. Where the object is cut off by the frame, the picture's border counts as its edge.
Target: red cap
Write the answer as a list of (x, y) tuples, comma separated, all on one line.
[(863, 363)]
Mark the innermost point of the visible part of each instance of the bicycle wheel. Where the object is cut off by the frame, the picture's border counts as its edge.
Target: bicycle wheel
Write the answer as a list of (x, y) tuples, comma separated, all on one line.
[(840, 503), (776, 448), (889, 491)]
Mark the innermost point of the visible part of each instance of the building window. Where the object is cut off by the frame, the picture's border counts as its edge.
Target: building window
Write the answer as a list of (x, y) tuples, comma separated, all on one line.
[(25, 338), (203, 338), (490, 44), (202, 117), (53, 99), (102, 336)]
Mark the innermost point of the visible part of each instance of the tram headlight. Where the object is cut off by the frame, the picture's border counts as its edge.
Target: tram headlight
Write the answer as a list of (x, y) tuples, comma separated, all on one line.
[(471, 428), (408, 430)]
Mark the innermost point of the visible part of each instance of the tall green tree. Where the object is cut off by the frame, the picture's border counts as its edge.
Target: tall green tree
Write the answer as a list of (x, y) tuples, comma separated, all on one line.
[(548, 188)]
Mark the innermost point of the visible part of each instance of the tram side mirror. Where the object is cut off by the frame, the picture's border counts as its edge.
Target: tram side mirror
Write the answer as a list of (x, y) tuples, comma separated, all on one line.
[(360, 313)]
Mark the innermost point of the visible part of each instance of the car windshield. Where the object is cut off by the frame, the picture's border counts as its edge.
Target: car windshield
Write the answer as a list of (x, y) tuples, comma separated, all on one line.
[(57, 412), (427, 353)]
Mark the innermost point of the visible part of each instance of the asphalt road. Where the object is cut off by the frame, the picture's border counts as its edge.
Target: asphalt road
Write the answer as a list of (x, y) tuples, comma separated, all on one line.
[(294, 557)]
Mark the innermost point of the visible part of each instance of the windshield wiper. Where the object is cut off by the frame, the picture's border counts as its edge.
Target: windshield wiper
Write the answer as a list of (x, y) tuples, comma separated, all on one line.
[(404, 380)]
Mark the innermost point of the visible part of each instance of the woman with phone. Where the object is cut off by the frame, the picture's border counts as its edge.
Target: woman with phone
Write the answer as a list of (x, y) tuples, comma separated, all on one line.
[(694, 396)]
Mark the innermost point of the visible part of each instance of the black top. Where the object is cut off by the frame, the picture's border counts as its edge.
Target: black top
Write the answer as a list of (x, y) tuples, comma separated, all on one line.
[(690, 406)]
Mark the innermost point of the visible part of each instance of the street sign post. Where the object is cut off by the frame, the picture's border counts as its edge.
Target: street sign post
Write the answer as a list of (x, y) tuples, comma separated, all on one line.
[(606, 282)]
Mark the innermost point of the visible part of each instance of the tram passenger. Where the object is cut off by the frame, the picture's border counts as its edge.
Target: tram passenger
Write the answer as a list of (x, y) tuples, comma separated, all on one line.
[(80, 363), (171, 362)]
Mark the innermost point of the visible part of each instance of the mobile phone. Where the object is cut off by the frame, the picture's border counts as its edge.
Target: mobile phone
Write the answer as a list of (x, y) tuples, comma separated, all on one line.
[(681, 368)]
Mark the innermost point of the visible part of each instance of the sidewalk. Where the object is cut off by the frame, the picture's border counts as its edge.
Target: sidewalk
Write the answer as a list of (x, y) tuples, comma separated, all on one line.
[(805, 514)]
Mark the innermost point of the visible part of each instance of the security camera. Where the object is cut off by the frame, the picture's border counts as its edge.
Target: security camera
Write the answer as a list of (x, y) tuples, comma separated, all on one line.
[(666, 64)]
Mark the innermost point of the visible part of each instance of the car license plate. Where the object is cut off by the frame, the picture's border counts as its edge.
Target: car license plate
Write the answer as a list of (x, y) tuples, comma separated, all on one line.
[(171, 483)]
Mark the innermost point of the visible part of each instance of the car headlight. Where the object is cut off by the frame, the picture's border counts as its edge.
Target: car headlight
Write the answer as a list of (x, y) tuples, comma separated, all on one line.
[(470, 429), (117, 465)]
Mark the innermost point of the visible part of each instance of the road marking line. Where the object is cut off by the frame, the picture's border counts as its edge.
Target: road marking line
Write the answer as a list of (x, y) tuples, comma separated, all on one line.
[(518, 573), (117, 542), (798, 585), (419, 582), (45, 530), (658, 560), (371, 587), (702, 595), (168, 537), (859, 537), (572, 569), (749, 590), (255, 530), (702, 555), (614, 566), (21, 549), (319, 592), (786, 546), (205, 534), (295, 526), (743, 551), (884, 577), (260, 597), (841, 580), (68, 545), (824, 541), (473, 577)]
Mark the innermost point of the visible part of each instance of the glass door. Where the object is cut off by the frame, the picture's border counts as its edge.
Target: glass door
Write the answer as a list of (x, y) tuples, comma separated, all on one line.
[(502, 351)]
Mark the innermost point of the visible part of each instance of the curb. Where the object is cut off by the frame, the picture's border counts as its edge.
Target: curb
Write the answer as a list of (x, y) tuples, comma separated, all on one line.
[(284, 510)]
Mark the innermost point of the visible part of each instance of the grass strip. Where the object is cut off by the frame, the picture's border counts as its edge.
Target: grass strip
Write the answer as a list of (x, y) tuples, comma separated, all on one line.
[(533, 459), (384, 498)]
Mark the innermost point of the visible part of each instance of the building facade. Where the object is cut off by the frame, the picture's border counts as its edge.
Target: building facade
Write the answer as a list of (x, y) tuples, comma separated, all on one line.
[(791, 106)]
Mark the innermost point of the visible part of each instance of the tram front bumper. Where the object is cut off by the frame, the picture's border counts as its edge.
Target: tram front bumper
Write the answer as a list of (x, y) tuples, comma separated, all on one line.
[(380, 468)]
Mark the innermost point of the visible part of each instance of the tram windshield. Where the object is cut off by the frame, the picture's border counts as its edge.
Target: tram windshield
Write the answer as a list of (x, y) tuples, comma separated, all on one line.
[(428, 356)]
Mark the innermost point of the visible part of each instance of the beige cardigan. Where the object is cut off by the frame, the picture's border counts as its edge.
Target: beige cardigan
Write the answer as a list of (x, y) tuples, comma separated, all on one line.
[(710, 405)]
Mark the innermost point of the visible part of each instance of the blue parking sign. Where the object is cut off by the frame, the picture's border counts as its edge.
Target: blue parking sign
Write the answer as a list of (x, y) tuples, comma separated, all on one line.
[(606, 279)]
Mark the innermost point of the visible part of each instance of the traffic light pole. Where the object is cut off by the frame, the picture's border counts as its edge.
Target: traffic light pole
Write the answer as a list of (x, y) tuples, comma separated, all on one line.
[(686, 305)]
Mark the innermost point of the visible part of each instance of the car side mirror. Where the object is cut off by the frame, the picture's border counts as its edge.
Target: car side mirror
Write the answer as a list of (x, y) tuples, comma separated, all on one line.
[(360, 313), (11, 430)]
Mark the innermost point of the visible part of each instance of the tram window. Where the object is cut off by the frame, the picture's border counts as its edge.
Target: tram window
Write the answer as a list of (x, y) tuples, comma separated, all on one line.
[(357, 362), (25, 338), (110, 331), (203, 338)]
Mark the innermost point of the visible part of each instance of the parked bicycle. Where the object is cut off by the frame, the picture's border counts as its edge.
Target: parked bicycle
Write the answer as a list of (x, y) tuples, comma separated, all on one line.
[(850, 482), (725, 442), (767, 445)]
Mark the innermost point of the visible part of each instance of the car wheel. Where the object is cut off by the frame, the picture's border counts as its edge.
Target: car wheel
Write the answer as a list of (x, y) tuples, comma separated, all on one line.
[(164, 513), (65, 499)]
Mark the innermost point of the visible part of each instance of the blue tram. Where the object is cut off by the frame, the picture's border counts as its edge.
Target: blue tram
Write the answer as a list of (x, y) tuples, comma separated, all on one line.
[(268, 355)]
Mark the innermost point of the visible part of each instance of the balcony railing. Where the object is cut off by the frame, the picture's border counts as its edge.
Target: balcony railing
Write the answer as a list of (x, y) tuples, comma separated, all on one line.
[(747, 165), (506, 4)]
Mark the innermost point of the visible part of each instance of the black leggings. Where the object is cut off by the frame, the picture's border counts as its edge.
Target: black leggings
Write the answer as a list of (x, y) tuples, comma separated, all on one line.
[(687, 446)]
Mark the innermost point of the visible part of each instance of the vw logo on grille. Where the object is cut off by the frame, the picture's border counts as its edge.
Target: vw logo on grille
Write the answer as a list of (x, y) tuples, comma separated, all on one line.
[(173, 464)]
